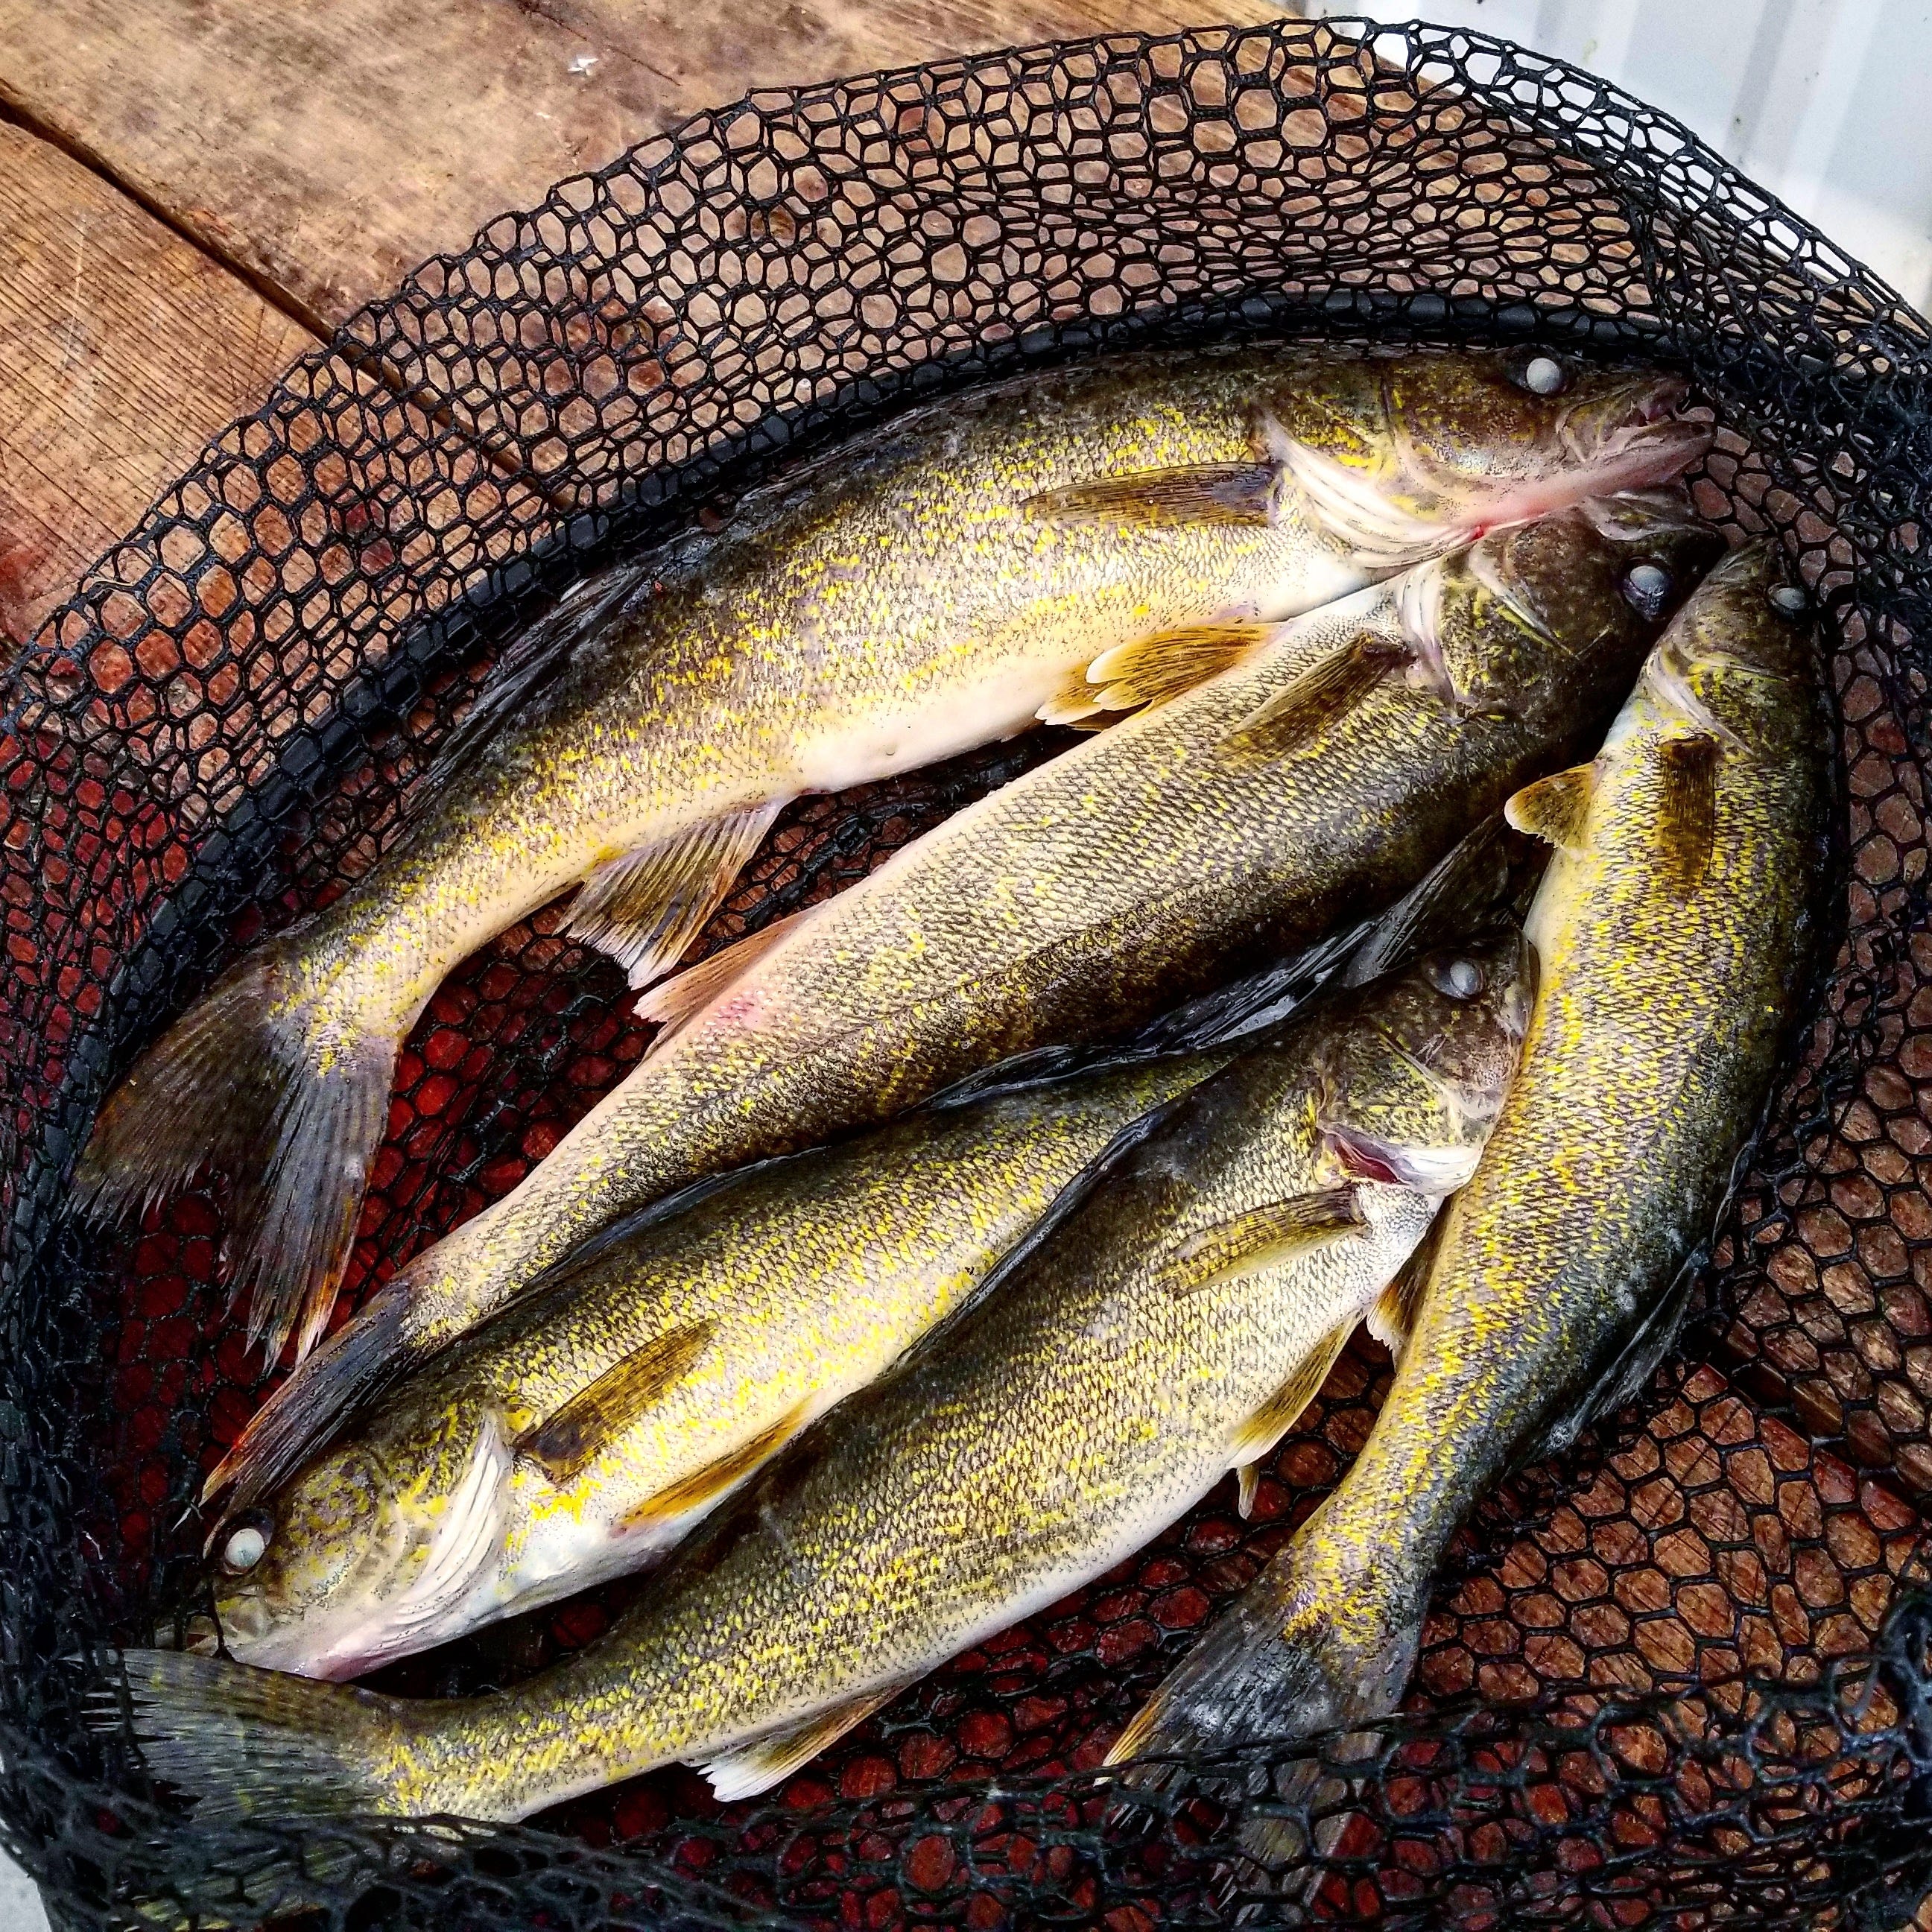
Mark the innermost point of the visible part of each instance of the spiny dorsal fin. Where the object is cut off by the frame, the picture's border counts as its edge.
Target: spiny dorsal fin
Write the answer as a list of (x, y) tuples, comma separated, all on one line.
[(645, 907), (1328, 689), (672, 1002), (704, 1486), (1283, 1410), (756, 1767), (1687, 820), (1262, 1238), (1391, 1317), (563, 1442), (1554, 809), (1152, 670), (1201, 493)]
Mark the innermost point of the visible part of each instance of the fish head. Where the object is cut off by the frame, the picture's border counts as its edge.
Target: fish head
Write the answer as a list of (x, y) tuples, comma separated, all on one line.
[(1410, 1091), (1404, 454), (1738, 654), (1569, 605), (371, 1552)]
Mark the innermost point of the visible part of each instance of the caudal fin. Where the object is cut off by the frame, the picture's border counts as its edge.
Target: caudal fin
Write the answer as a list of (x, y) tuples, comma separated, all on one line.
[(249, 1744), (350, 1369), (1298, 1653), (238, 1084)]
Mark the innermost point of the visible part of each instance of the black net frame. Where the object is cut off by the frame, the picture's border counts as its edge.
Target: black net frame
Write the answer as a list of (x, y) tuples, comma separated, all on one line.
[(1678, 1676)]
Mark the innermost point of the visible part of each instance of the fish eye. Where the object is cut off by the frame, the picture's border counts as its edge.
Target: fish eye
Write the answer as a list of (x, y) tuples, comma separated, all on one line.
[(1542, 376), (1461, 979), (1786, 599), (248, 1544), (1646, 588)]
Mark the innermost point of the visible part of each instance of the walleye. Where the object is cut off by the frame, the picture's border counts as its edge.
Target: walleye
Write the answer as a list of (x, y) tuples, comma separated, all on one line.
[(587, 1429), (1308, 784), (938, 583), (1170, 1326), (1674, 928)]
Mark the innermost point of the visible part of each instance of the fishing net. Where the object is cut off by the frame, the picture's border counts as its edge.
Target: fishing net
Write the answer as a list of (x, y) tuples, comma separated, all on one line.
[(1677, 1677)]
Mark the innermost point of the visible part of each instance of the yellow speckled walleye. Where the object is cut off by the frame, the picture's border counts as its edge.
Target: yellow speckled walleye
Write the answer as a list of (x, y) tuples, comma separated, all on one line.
[(1172, 1326), (1305, 787), (586, 1429), (934, 585), (1673, 928)]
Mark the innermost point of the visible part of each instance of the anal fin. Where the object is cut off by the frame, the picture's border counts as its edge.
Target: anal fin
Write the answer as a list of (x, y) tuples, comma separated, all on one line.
[(1201, 493), (1554, 809), (563, 1442), (1257, 1437), (1687, 823), (1152, 670), (1330, 688), (1262, 1238), (671, 1002), (644, 907), (706, 1486), (756, 1767)]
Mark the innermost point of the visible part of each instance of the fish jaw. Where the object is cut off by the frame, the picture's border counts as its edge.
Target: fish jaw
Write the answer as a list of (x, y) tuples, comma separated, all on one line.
[(389, 1609)]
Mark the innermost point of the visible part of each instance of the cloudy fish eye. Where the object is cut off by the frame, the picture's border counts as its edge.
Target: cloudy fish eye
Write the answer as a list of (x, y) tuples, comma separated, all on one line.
[(1460, 978), (1786, 599), (1544, 375), (245, 1548), (1647, 586)]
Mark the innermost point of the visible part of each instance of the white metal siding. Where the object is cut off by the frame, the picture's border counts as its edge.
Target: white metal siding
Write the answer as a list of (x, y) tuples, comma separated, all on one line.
[(1826, 103)]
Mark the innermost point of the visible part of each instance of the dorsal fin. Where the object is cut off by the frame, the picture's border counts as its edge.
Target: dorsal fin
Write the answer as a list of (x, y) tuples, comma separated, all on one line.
[(1687, 819), (705, 1486), (1328, 689), (1262, 1238), (565, 1440), (1201, 493), (672, 1002), (645, 907), (1553, 809), (1152, 670)]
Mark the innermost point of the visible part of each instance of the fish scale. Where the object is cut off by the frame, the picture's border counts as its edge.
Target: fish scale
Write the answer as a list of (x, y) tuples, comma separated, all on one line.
[(930, 586), (1100, 1387), (1158, 859), (1674, 927), (750, 1313)]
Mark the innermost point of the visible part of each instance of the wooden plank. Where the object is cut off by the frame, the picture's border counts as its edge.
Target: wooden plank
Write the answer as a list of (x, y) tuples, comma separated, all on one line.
[(123, 348), (327, 149)]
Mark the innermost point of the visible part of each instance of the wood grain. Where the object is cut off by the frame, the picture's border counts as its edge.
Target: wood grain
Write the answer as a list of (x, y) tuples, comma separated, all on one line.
[(123, 348), (326, 148)]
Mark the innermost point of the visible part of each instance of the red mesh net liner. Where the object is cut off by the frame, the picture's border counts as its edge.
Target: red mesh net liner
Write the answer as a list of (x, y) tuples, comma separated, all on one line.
[(1676, 1679)]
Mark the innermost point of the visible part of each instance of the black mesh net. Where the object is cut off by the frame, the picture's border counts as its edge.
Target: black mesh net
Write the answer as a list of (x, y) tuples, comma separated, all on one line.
[(1677, 1678)]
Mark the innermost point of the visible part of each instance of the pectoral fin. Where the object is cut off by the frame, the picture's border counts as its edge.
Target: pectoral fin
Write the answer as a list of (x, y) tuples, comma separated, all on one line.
[(1686, 821), (757, 1767), (704, 1486), (1553, 809), (1391, 1316), (1328, 689), (1263, 1237), (1152, 670), (1257, 1436), (1203, 492), (671, 1002), (645, 907), (564, 1441)]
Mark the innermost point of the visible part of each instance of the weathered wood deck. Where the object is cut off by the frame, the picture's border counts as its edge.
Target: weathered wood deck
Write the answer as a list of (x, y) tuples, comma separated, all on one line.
[(194, 192)]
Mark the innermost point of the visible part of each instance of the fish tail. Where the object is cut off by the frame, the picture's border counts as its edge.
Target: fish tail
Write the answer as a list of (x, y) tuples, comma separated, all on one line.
[(1296, 1655), (240, 1083), (348, 1372), (249, 1744)]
